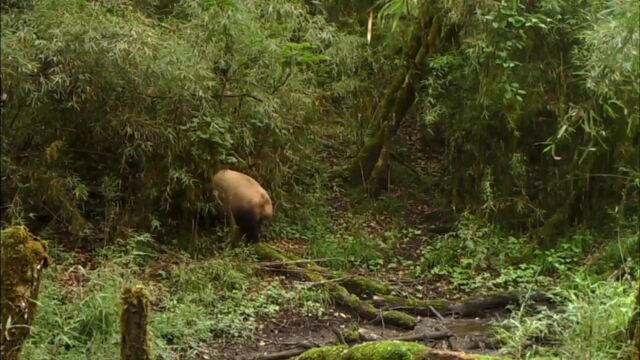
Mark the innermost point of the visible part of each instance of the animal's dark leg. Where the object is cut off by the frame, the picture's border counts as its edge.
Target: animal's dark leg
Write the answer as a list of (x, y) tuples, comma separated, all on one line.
[(248, 223), (253, 232)]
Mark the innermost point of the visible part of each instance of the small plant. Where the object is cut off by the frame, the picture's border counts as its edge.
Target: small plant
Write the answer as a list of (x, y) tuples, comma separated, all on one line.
[(313, 301), (350, 251), (477, 255)]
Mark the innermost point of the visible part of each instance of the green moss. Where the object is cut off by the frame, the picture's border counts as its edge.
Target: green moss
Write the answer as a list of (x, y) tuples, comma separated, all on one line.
[(386, 350), (339, 293), (134, 319), (134, 295), (351, 335), (333, 352), (267, 252), (365, 286), (23, 258), (400, 319)]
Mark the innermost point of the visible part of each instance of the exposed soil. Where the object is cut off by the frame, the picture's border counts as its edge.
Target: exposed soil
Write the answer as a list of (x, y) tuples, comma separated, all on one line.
[(469, 335)]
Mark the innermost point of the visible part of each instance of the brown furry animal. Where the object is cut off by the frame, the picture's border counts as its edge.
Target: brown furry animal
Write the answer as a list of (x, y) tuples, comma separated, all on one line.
[(245, 202)]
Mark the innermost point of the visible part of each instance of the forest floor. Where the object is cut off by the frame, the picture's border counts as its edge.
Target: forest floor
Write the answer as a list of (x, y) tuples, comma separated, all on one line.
[(226, 304)]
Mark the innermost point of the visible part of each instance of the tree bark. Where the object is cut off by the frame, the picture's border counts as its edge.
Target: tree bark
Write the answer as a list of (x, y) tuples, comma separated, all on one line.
[(24, 256), (133, 324)]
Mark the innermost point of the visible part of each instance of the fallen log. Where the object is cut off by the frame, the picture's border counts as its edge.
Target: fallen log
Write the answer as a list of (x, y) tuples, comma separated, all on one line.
[(355, 284), (466, 308), (339, 293), (361, 338), (384, 307), (24, 257), (387, 349)]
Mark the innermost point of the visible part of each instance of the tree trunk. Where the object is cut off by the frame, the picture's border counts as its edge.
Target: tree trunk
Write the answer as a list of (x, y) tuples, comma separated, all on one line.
[(133, 324), (380, 129), (23, 258), (371, 166)]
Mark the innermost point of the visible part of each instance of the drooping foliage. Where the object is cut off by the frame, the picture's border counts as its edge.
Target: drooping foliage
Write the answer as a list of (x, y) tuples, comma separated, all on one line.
[(117, 112), (536, 110), (538, 138)]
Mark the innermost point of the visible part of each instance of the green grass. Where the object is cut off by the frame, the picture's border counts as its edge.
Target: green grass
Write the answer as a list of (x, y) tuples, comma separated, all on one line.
[(591, 323), (195, 303)]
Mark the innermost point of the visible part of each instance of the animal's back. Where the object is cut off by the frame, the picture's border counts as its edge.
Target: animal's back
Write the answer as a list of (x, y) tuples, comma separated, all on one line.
[(238, 186)]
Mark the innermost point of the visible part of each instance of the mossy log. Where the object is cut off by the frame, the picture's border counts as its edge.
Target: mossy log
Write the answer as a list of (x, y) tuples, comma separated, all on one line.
[(352, 336), (466, 308), (133, 323), (393, 309), (338, 292), (355, 284), (24, 256), (388, 349)]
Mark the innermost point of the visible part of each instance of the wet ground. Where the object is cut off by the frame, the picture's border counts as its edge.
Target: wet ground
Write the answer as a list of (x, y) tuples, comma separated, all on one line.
[(470, 335)]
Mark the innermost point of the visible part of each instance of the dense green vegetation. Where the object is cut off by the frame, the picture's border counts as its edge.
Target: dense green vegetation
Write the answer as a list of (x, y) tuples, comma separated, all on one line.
[(474, 146)]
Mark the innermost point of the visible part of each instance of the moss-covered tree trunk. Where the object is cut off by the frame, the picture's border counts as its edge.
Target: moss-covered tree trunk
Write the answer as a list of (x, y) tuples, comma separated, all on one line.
[(24, 256), (133, 324), (371, 166)]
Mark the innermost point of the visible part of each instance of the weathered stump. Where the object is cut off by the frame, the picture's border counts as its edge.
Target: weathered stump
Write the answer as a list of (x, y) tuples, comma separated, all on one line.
[(133, 323), (24, 256)]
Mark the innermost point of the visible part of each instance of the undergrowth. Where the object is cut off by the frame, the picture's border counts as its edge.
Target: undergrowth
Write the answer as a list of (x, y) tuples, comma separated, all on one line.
[(478, 255), (194, 302), (591, 322)]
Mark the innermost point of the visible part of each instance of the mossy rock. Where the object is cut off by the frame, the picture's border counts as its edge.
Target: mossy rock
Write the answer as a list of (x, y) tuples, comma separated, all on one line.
[(387, 350), (24, 256), (400, 319), (332, 352)]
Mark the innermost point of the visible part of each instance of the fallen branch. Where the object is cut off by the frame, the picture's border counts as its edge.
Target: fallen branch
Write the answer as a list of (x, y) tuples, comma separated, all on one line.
[(339, 293)]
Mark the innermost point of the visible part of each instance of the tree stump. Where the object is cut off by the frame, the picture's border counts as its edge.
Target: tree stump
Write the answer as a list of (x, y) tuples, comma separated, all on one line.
[(24, 256), (133, 323)]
